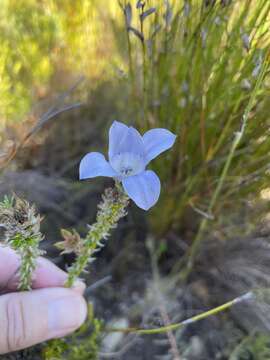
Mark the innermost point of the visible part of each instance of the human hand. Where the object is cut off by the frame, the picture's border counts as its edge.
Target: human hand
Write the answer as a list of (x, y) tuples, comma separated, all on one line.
[(48, 311)]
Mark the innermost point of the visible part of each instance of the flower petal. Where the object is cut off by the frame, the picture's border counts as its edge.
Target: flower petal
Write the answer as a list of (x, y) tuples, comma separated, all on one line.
[(117, 132), (125, 139), (143, 189), (132, 142), (156, 141), (94, 164)]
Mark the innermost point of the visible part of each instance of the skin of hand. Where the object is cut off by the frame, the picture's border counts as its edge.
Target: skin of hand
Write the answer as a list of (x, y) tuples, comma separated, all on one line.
[(48, 311)]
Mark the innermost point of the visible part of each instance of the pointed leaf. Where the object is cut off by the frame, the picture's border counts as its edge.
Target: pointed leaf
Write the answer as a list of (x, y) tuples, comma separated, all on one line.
[(140, 4), (168, 14), (146, 13), (128, 14)]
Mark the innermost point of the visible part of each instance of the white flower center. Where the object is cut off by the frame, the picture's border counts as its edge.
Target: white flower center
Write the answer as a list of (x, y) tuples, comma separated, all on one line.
[(127, 164)]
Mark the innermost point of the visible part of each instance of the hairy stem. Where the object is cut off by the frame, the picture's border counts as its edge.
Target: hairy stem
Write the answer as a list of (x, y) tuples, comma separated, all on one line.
[(22, 233), (111, 210), (28, 254)]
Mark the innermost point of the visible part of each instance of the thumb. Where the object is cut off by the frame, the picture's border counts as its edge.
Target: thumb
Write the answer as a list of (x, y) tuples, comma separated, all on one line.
[(28, 318)]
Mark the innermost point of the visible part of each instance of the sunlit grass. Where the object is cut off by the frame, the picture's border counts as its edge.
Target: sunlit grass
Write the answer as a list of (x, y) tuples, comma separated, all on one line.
[(198, 68), (44, 41), (194, 74)]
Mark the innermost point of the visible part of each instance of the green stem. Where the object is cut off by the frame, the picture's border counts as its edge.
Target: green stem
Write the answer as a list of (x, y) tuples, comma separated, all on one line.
[(130, 62), (111, 210), (144, 73), (28, 256), (22, 234), (237, 139), (193, 319)]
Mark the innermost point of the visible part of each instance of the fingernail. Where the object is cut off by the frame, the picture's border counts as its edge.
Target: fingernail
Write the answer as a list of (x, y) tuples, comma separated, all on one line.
[(66, 314)]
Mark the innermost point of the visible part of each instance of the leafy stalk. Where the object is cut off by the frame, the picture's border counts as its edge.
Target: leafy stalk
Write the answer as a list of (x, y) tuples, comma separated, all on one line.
[(110, 211), (22, 233)]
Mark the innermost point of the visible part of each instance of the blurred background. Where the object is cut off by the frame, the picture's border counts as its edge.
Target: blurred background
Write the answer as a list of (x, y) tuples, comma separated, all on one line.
[(199, 68)]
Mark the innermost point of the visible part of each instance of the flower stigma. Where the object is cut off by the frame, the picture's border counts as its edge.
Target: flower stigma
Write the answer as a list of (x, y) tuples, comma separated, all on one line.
[(128, 164)]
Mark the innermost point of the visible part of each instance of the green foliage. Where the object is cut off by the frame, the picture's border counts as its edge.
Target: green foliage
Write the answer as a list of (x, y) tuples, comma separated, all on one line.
[(41, 41), (28, 36), (82, 345), (189, 66), (193, 70), (22, 233), (255, 347)]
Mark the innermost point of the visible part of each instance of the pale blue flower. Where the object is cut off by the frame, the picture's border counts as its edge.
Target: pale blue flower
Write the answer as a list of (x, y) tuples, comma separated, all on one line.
[(129, 154)]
